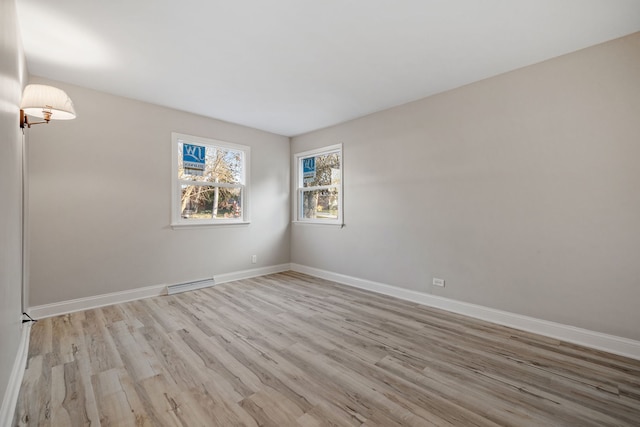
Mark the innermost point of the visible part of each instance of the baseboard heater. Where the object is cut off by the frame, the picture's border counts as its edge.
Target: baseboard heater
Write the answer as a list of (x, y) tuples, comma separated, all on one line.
[(190, 286)]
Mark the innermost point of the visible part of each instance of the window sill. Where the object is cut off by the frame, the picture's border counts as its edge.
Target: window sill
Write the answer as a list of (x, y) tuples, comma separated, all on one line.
[(331, 224), (180, 226)]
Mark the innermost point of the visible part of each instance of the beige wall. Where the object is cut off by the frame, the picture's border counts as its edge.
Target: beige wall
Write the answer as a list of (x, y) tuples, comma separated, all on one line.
[(12, 75), (99, 201), (521, 191)]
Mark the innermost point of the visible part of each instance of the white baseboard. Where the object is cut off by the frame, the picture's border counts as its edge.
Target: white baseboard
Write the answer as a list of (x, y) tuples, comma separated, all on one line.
[(247, 274), (610, 343), (79, 304), (596, 340), (8, 408), (70, 306)]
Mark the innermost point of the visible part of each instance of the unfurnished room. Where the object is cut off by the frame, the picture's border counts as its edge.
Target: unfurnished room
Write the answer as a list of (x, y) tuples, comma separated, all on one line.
[(320, 213)]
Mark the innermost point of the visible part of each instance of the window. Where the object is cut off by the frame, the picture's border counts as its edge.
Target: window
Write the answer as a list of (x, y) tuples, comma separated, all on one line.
[(210, 181), (319, 185)]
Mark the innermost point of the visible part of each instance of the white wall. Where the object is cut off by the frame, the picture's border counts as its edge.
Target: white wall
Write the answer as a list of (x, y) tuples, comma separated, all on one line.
[(12, 74), (521, 191), (99, 201)]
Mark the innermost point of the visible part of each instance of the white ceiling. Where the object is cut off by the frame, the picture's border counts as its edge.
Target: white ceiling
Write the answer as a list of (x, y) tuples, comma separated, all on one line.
[(293, 66)]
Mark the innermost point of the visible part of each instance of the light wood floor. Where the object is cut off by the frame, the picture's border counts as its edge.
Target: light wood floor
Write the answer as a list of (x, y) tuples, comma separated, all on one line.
[(292, 350)]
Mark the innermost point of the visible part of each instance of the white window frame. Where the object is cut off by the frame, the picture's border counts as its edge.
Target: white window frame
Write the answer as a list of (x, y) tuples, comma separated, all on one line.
[(298, 216), (176, 190)]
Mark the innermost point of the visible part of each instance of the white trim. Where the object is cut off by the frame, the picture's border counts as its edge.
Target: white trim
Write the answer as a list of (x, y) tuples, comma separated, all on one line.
[(176, 220), (8, 408), (596, 340), (196, 224), (321, 224), (298, 186), (247, 274), (79, 304), (70, 306)]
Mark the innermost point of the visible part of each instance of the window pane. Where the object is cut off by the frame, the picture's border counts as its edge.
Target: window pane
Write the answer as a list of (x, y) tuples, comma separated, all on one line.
[(229, 203), (207, 202), (320, 204), (220, 164), (323, 169)]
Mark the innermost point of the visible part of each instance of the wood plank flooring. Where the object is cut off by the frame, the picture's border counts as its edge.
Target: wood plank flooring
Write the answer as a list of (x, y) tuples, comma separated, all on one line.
[(292, 350)]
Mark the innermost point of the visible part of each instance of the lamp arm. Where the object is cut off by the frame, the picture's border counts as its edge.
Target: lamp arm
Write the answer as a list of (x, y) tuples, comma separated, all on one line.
[(24, 121)]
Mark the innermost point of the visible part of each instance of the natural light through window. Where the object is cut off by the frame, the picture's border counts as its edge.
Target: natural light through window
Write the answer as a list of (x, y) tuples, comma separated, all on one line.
[(319, 185), (210, 181), (50, 36)]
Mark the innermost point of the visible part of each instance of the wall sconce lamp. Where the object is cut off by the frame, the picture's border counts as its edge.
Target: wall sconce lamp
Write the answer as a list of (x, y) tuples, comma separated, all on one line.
[(45, 102)]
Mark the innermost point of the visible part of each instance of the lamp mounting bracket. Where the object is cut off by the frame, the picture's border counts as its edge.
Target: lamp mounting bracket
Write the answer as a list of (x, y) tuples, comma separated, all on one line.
[(24, 120)]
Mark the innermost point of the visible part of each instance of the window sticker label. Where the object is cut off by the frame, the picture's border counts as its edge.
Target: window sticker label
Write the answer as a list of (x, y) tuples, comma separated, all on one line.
[(193, 157), (309, 169)]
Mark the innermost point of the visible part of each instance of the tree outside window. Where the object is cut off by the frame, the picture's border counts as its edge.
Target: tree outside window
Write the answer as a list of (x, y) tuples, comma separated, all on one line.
[(210, 180), (319, 193)]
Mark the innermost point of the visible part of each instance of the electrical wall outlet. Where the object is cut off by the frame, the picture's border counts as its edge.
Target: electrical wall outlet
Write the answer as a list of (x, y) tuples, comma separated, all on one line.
[(438, 282), (254, 259)]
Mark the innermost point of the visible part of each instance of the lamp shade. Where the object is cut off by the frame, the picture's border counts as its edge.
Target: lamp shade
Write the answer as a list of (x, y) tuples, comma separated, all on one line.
[(39, 99)]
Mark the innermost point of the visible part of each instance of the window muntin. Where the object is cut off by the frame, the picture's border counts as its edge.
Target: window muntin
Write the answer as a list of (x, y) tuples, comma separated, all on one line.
[(319, 185), (210, 181)]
